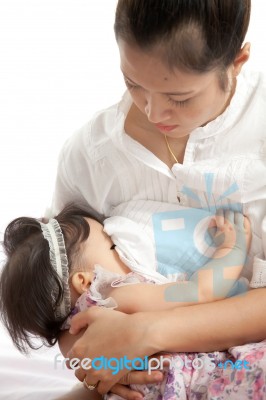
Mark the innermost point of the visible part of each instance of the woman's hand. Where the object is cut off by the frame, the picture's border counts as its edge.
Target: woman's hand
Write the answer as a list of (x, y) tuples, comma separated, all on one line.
[(138, 378), (109, 334)]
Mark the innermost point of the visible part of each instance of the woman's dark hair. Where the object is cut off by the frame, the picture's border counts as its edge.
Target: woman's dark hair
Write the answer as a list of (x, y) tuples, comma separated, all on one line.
[(28, 278), (195, 35)]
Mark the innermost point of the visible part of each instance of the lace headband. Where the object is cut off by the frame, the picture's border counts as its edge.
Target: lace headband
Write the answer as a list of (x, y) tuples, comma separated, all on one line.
[(58, 258)]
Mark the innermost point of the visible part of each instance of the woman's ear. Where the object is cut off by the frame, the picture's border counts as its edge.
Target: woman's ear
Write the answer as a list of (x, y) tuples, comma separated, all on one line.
[(241, 58), (81, 281)]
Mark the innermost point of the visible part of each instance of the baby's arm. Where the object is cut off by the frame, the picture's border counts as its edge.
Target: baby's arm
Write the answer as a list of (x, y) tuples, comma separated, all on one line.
[(212, 282)]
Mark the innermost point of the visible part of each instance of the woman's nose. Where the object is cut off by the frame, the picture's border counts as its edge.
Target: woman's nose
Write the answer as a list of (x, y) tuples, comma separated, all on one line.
[(156, 109)]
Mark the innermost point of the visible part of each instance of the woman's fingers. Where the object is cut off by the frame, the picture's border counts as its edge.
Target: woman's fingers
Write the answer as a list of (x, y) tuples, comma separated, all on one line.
[(141, 377), (132, 378), (82, 320), (135, 378)]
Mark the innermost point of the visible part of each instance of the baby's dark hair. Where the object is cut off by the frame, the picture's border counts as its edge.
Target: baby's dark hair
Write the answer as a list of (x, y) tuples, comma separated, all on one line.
[(28, 280), (195, 35)]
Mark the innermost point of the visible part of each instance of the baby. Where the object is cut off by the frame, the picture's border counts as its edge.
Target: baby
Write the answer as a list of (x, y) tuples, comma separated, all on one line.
[(57, 268)]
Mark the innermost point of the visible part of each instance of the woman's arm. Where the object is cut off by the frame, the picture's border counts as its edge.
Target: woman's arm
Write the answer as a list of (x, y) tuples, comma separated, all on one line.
[(203, 327), (214, 326)]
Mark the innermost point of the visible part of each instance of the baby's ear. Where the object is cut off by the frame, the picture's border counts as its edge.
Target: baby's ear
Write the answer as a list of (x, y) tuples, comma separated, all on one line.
[(81, 281)]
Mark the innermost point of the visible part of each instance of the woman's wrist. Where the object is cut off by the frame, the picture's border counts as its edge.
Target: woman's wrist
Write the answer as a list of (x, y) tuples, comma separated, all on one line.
[(152, 332), (154, 325)]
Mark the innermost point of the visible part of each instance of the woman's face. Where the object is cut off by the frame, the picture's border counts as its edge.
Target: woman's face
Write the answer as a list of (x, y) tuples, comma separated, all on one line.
[(174, 102)]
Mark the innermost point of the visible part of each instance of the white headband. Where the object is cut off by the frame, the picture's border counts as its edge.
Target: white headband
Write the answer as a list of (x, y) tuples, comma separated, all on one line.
[(58, 258)]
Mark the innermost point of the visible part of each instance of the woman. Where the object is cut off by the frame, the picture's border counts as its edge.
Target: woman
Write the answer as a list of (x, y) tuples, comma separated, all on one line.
[(190, 130)]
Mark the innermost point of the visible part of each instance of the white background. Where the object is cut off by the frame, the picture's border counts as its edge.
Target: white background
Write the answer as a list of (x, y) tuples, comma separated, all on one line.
[(58, 65)]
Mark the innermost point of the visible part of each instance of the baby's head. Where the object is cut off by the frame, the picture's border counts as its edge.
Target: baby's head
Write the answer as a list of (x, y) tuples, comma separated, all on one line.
[(48, 265)]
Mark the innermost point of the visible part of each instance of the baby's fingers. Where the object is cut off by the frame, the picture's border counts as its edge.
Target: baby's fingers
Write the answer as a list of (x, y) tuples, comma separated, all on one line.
[(247, 225), (219, 218), (229, 216), (239, 220)]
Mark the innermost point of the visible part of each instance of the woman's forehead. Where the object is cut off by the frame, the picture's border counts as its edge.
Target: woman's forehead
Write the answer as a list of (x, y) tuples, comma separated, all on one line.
[(147, 70)]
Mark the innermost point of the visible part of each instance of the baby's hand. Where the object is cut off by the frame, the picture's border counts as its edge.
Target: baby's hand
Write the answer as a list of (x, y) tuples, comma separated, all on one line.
[(231, 230), (231, 234)]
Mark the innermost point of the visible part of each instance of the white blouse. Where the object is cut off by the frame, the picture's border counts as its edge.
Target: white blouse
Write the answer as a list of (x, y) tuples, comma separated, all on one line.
[(224, 163)]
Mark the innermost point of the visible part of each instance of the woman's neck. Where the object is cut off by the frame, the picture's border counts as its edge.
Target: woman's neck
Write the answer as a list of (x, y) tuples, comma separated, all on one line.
[(140, 129)]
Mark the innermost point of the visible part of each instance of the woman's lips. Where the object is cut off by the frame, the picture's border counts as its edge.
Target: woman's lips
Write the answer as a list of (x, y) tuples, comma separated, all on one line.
[(166, 128)]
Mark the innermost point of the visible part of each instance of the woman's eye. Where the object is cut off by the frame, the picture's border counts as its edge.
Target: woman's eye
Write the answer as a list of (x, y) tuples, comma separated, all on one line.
[(177, 103), (130, 85)]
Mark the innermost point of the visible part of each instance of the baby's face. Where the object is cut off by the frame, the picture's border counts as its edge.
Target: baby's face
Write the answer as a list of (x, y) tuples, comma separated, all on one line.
[(99, 249)]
